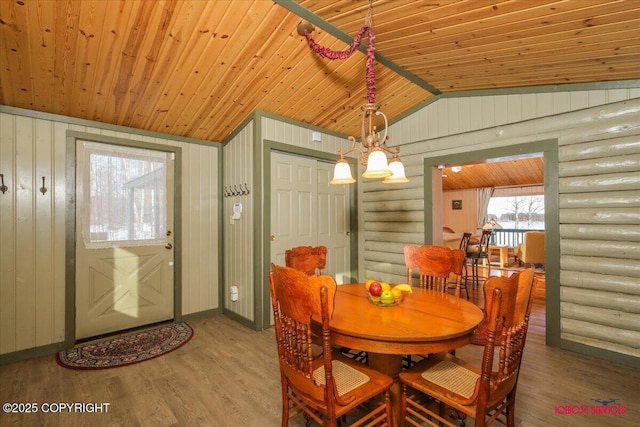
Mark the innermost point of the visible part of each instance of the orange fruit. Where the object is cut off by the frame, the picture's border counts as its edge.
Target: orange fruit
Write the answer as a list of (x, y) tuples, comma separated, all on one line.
[(368, 283)]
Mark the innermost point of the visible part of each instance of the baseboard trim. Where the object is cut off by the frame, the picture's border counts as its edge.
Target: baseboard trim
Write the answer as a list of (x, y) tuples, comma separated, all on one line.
[(31, 353)]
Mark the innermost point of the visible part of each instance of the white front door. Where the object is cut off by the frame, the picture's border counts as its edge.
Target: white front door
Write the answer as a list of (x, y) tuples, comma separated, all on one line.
[(307, 211), (124, 241)]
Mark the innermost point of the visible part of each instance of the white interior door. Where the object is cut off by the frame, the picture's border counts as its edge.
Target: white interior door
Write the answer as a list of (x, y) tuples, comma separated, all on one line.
[(307, 211), (334, 223), (124, 242)]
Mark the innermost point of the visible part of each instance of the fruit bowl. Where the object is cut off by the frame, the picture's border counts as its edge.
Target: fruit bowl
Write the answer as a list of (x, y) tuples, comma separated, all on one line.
[(376, 301)]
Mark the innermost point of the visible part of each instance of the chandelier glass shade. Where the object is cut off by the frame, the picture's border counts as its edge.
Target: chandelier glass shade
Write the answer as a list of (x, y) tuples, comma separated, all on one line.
[(398, 176), (374, 151), (342, 173)]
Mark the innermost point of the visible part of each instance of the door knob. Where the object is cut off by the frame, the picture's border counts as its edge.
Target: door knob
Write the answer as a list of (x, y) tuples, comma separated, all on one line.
[(168, 246), (273, 238), (348, 233)]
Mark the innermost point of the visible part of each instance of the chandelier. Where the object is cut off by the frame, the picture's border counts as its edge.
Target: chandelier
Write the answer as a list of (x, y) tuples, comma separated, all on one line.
[(374, 154)]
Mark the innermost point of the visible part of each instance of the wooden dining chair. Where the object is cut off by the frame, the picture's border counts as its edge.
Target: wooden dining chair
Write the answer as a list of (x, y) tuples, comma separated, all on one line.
[(458, 258), (310, 259), (481, 392), (328, 387), (434, 264), (526, 287)]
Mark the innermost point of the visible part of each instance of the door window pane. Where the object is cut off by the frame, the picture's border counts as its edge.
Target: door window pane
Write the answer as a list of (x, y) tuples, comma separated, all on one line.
[(127, 198)]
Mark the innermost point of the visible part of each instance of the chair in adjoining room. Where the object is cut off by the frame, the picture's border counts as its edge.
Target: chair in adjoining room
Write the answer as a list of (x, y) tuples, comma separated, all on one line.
[(326, 388), (477, 252), (531, 250), (479, 392), (464, 246), (310, 259), (434, 264), (464, 242)]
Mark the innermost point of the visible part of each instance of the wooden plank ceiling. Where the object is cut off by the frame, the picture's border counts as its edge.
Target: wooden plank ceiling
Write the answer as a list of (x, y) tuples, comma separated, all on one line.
[(199, 68), (508, 173)]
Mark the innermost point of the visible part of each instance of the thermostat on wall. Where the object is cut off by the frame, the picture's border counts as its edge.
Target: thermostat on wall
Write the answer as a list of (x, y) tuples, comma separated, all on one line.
[(237, 211)]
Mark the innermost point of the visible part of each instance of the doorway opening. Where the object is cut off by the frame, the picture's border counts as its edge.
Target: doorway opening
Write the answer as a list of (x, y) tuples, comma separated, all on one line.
[(434, 205)]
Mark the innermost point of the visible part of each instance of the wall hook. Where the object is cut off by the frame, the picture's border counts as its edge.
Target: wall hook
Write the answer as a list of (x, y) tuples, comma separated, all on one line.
[(43, 189), (235, 190), (246, 189), (3, 187)]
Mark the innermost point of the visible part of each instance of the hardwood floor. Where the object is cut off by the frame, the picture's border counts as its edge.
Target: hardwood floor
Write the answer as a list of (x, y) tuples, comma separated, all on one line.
[(227, 375)]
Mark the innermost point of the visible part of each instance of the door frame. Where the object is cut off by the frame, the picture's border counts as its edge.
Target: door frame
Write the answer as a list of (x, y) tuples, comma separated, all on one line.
[(261, 286), (72, 139), (549, 150)]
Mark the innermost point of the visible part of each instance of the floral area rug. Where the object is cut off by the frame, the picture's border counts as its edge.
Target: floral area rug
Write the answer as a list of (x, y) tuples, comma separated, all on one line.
[(126, 349)]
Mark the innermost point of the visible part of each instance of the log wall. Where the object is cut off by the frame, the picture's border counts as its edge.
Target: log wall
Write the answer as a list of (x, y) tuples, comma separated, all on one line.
[(596, 298)]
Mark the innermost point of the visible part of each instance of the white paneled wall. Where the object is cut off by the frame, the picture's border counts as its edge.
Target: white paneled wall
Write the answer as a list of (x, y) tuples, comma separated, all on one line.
[(242, 258), (32, 235), (449, 116), (200, 228), (239, 261), (33, 229), (300, 136)]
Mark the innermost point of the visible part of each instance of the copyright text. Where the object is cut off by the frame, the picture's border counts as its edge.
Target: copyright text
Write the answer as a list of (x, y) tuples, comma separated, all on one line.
[(55, 407)]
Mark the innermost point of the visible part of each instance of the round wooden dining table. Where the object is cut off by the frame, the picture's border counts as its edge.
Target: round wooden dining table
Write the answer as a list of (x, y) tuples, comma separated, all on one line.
[(424, 322)]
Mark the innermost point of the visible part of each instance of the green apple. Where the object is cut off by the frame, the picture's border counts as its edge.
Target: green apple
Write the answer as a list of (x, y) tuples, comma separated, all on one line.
[(386, 297)]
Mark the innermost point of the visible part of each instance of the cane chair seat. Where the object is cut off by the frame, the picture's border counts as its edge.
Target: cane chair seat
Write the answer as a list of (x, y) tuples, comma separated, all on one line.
[(453, 377), (347, 378)]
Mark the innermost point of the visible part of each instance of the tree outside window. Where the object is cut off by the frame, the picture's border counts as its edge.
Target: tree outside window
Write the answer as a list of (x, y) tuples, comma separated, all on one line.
[(518, 212)]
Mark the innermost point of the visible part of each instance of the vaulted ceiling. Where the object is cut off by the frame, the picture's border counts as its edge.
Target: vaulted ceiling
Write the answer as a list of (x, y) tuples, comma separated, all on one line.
[(198, 68), (498, 173)]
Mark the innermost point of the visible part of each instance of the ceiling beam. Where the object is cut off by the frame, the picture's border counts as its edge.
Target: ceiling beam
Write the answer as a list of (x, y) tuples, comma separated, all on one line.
[(317, 21)]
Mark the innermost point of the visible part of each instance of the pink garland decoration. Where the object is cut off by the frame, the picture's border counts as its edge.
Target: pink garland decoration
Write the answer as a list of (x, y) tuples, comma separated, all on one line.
[(344, 54)]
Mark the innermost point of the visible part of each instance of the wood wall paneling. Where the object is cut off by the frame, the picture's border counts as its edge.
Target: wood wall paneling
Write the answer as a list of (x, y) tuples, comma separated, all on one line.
[(420, 134), (239, 259), (33, 228), (7, 235)]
